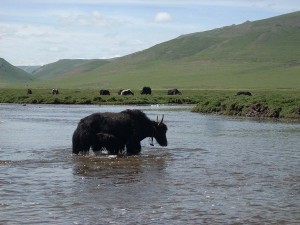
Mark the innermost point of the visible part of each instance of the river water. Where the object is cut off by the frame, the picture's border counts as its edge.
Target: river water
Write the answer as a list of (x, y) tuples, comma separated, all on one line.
[(215, 170)]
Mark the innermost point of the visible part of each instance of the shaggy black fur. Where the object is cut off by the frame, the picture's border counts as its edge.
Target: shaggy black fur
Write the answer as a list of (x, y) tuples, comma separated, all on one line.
[(114, 131), (174, 92), (109, 142), (104, 92), (146, 91)]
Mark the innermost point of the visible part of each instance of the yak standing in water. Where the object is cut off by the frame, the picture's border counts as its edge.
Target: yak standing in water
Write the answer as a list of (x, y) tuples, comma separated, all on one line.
[(115, 131)]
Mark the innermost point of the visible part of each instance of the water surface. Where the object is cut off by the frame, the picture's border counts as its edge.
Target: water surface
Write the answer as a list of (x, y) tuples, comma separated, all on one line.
[(215, 170)]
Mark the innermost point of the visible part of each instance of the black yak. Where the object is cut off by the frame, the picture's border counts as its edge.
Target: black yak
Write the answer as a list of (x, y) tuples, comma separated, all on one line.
[(104, 92), (55, 91), (146, 91), (244, 93), (174, 92), (127, 92), (29, 91), (115, 131)]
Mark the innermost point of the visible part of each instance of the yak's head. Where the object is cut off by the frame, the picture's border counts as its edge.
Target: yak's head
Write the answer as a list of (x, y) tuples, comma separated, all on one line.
[(159, 133)]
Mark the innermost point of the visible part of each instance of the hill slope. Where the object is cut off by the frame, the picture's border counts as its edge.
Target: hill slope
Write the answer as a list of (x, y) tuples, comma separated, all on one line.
[(67, 67), (11, 75), (261, 54), (29, 69)]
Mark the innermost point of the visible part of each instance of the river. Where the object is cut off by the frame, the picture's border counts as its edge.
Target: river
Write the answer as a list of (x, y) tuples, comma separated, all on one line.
[(215, 170)]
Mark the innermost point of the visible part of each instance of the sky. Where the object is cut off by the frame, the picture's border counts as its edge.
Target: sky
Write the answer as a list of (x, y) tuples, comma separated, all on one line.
[(38, 32)]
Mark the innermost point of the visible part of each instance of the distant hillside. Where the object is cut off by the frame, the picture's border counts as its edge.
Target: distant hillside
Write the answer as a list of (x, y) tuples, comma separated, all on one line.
[(29, 69), (261, 54), (11, 75), (67, 67)]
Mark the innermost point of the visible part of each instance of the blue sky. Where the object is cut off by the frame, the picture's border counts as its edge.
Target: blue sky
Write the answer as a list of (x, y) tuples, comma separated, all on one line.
[(37, 32)]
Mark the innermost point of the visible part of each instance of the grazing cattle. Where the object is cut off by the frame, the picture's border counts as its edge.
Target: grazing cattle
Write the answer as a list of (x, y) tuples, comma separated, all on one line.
[(127, 92), (115, 131), (55, 91), (29, 91), (146, 91), (104, 92), (174, 92), (244, 93)]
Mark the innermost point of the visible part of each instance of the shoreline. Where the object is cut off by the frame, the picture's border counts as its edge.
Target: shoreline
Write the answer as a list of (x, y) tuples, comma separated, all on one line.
[(262, 105)]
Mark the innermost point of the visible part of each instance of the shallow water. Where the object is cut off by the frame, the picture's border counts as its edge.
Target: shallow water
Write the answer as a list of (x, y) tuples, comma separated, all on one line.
[(215, 170)]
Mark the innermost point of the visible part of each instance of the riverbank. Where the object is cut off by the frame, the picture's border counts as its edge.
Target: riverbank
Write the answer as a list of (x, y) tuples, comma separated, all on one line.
[(261, 104), (92, 96)]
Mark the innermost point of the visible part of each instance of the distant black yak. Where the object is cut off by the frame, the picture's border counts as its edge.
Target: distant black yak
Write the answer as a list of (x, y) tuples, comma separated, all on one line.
[(244, 93), (146, 91), (174, 92), (29, 91), (115, 131), (104, 92), (55, 91), (127, 92)]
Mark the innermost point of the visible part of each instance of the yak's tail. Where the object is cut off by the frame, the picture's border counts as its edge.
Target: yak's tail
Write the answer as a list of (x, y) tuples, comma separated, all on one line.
[(76, 147)]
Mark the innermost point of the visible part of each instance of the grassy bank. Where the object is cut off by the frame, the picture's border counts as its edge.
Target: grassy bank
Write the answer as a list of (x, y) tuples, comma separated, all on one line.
[(92, 96), (262, 104)]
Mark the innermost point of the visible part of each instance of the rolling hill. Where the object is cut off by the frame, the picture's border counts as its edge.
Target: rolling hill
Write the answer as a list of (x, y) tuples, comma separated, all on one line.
[(29, 69), (11, 75), (67, 67), (263, 54)]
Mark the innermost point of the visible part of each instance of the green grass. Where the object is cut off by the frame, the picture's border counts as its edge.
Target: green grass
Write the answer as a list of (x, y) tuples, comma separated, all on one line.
[(91, 96), (263, 104)]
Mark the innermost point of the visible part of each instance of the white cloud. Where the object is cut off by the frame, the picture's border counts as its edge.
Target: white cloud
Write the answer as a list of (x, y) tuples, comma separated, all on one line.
[(162, 17), (83, 19)]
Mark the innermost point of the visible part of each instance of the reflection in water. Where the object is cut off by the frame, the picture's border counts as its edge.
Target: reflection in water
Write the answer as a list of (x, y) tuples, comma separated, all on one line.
[(119, 169), (215, 170)]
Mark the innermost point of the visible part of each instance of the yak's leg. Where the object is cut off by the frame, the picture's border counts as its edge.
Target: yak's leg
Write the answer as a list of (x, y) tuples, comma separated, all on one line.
[(80, 143), (108, 141), (116, 149), (133, 148), (97, 146)]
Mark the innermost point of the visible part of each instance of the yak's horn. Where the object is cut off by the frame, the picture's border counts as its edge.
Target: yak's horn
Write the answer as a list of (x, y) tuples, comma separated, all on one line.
[(162, 119)]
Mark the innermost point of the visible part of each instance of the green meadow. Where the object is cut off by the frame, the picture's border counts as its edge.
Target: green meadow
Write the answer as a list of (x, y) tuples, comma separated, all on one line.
[(284, 104)]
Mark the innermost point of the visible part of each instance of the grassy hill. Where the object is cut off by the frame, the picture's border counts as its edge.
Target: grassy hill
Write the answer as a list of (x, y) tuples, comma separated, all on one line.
[(263, 54), (11, 75), (29, 69), (66, 67)]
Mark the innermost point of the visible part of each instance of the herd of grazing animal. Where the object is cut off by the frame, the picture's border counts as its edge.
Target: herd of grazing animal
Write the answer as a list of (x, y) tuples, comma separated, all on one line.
[(53, 92), (144, 91)]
